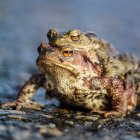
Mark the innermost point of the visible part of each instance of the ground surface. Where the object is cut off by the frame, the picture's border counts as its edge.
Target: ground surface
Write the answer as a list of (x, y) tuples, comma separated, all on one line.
[(65, 124)]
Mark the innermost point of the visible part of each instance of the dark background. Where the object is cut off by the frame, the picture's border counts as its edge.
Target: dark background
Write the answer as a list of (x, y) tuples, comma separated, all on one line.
[(24, 24)]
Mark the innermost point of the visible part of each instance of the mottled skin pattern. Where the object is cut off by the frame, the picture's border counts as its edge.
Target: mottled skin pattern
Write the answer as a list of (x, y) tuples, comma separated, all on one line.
[(82, 70)]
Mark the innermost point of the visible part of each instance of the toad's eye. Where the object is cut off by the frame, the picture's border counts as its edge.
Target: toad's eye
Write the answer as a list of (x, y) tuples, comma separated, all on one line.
[(67, 52), (75, 37)]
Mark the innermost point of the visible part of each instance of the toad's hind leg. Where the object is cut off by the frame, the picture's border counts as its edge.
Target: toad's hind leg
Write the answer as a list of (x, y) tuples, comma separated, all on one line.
[(116, 91), (26, 93)]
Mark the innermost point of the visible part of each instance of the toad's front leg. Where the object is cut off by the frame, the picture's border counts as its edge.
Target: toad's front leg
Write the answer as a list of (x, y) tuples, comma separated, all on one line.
[(26, 93)]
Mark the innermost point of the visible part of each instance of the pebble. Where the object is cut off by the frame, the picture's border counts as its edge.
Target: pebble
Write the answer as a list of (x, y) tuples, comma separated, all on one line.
[(87, 118), (138, 114), (69, 122), (50, 132), (51, 125)]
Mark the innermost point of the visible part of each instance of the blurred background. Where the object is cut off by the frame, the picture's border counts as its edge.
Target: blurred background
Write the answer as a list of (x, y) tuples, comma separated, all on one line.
[(24, 24)]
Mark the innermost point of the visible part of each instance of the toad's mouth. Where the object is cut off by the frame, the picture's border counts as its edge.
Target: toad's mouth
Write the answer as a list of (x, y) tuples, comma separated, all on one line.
[(51, 64)]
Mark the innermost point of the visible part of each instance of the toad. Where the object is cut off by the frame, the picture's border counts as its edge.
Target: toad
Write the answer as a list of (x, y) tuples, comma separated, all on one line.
[(82, 70)]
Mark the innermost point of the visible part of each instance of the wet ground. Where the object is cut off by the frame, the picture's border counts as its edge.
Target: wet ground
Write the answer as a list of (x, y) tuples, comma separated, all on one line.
[(66, 124), (23, 25)]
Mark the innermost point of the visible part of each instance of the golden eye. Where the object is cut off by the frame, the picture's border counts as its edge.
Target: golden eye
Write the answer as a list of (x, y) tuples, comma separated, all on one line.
[(67, 52), (75, 37)]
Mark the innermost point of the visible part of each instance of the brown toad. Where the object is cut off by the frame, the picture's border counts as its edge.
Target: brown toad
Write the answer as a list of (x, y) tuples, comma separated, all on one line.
[(82, 70)]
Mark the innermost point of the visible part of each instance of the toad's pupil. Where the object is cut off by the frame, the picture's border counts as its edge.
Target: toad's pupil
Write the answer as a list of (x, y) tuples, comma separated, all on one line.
[(75, 37), (68, 53)]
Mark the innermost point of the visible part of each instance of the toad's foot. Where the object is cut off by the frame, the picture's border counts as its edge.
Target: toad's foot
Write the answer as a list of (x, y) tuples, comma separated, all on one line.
[(108, 113), (18, 105), (25, 95), (113, 114), (100, 112)]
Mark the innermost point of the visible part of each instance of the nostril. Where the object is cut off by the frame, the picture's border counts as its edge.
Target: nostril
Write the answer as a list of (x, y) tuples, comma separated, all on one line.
[(41, 47)]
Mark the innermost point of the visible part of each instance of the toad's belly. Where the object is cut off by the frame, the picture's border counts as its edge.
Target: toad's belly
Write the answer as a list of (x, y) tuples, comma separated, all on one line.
[(93, 100), (78, 93)]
